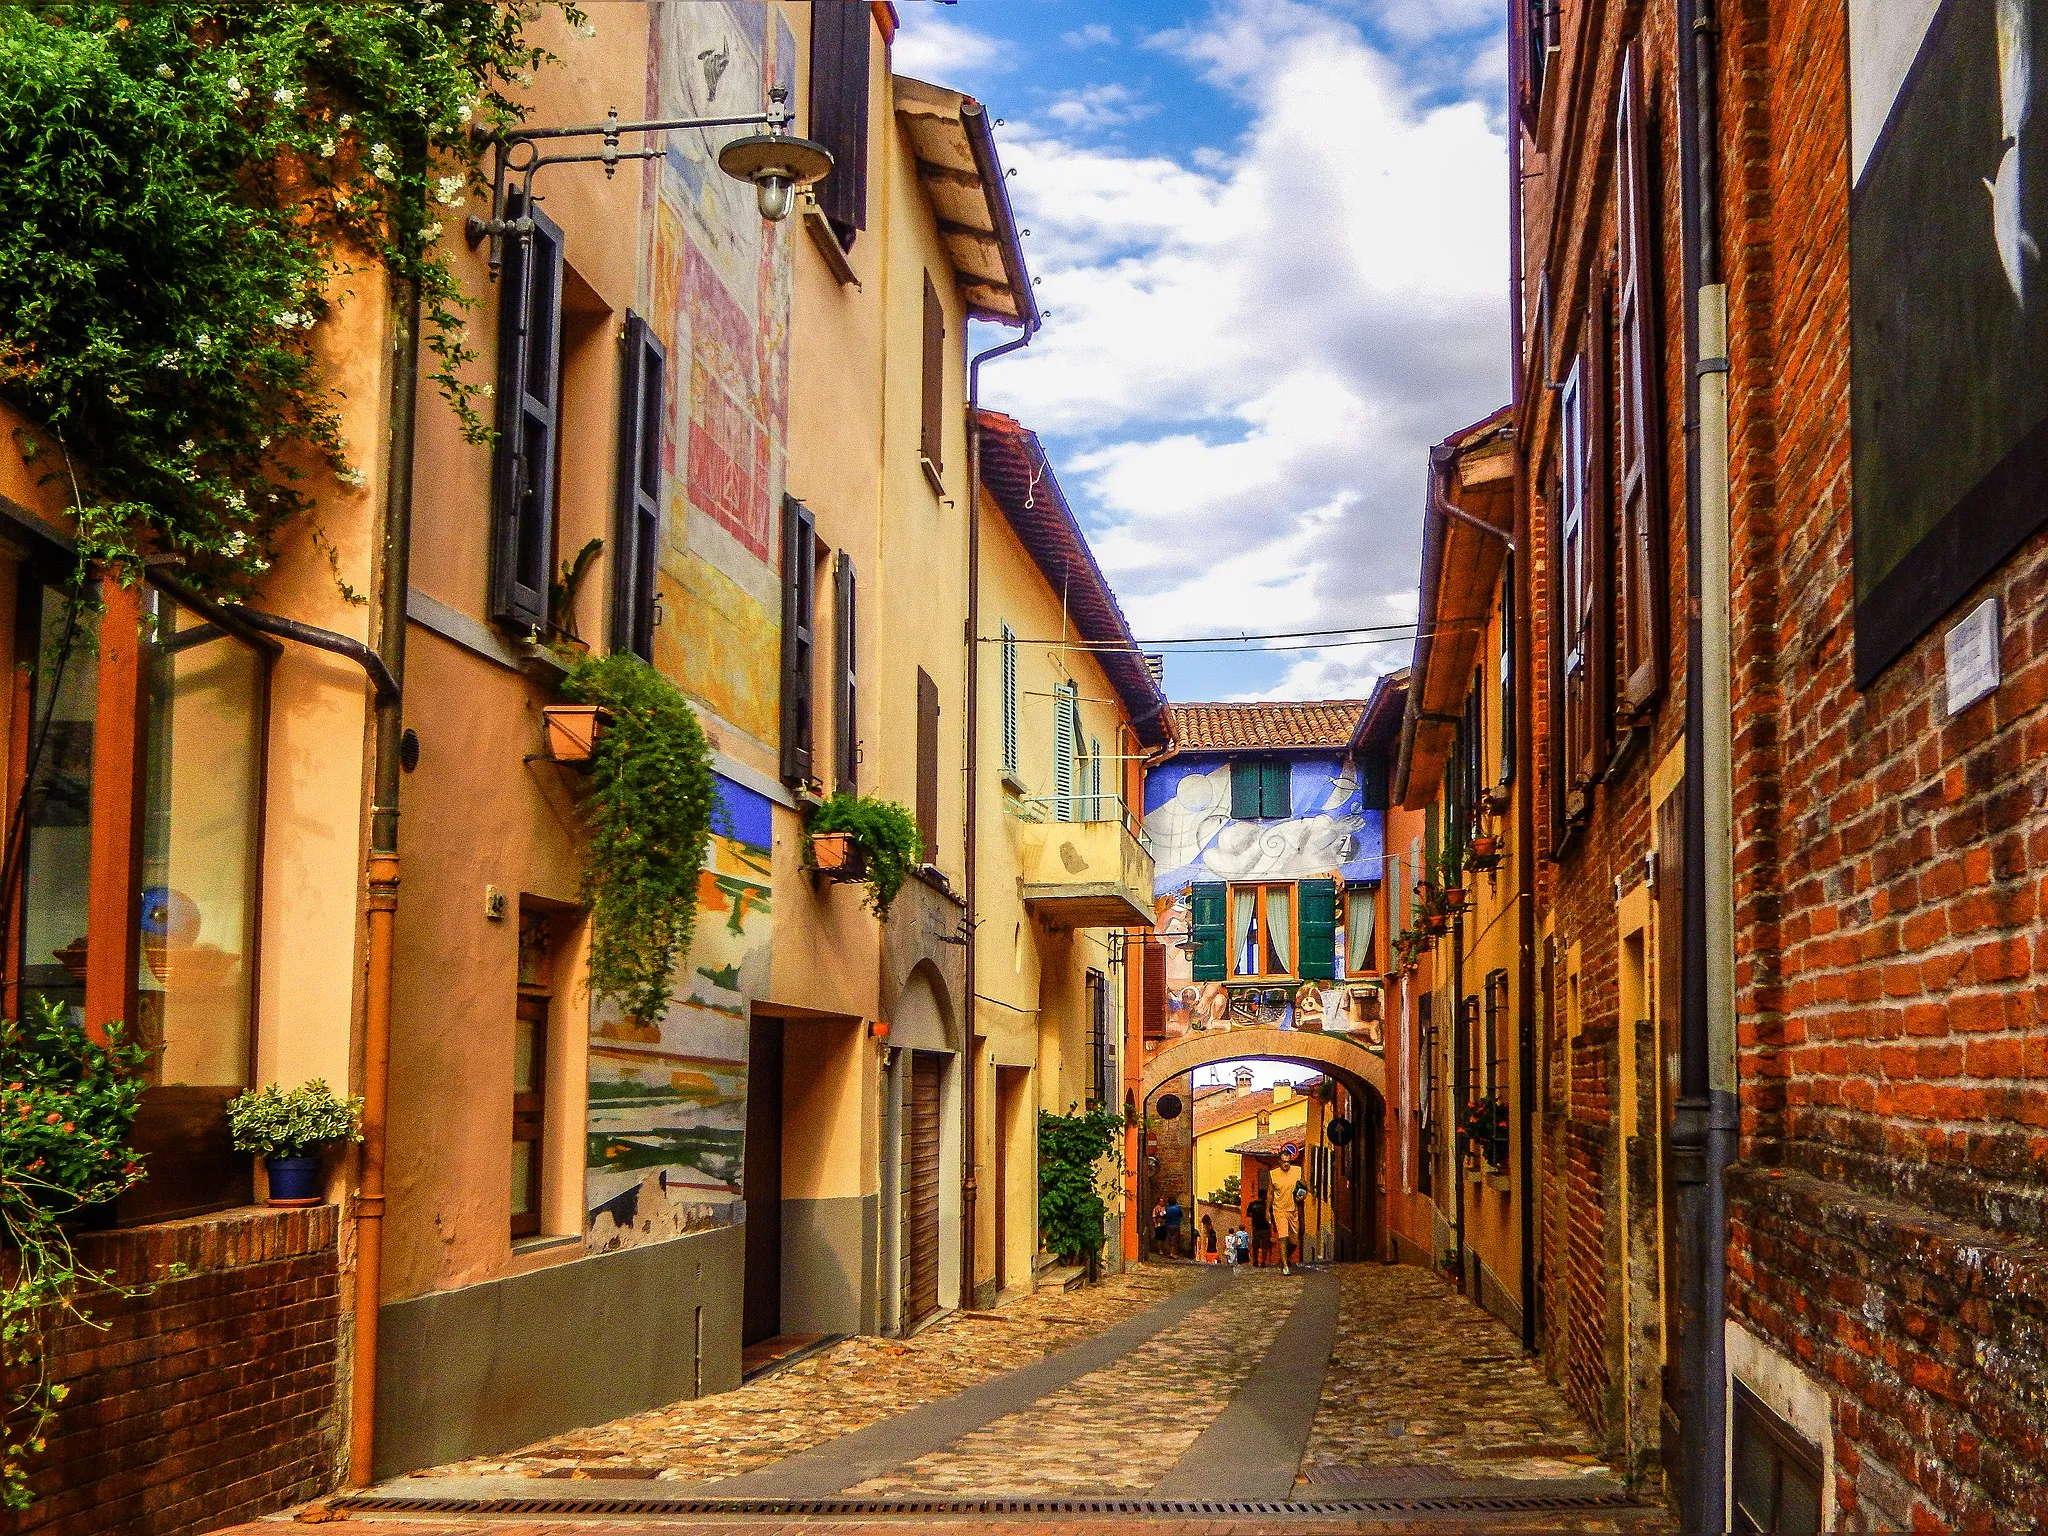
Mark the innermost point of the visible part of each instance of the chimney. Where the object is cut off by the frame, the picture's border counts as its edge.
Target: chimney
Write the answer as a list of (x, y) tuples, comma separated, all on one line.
[(1283, 1093), (1155, 664), (1243, 1085)]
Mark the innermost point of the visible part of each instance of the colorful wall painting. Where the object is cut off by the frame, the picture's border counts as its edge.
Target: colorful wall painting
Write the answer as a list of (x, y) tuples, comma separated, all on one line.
[(719, 297), (1329, 835), (668, 1104)]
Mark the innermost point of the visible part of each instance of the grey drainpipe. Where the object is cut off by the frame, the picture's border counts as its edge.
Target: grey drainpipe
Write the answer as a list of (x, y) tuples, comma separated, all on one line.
[(1703, 1133)]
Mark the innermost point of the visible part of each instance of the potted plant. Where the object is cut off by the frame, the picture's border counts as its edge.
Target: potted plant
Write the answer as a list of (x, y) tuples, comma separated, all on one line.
[(573, 731), (287, 1129), (1485, 852), (853, 837), (1484, 1124)]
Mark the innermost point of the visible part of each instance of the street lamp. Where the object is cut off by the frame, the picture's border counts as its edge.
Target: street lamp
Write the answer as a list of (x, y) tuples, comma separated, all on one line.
[(776, 162)]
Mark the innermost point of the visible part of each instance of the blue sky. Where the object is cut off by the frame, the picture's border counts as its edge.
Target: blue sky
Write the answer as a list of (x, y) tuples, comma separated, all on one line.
[(1271, 239)]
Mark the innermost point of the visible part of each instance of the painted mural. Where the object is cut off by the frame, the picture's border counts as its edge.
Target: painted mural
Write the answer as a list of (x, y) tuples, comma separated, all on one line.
[(668, 1104), (1329, 834), (719, 296)]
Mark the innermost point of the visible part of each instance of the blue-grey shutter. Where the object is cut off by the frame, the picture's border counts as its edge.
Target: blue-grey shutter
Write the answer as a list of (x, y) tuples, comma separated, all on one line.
[(1207, 925), (799, 613), (1064, 747), (1009, 701), (1318, 930), (529, 391), (846, 647), (636, 525)]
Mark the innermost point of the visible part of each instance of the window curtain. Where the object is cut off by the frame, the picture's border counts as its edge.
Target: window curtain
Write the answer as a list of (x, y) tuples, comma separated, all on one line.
[(1244, 926), (1361, 915), (1280, 929)]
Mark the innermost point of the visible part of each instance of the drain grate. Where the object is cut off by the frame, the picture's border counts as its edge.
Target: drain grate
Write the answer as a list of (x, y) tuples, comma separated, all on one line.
[(629, 1504)]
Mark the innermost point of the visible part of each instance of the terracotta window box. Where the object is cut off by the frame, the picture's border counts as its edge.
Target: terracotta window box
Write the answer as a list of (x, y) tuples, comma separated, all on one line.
[(573, 731), (836, 856)]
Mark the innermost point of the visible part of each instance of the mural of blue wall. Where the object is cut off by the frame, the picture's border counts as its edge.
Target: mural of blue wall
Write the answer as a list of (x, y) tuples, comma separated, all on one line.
[(1327, 831)]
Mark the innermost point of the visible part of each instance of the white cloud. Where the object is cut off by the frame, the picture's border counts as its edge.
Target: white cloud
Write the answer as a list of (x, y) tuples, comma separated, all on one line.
[(1256, 348), (943, 51), (1094, 35), (1099, 106)]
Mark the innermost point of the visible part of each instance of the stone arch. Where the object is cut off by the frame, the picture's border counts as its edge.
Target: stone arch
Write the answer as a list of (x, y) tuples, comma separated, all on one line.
[(1206, 1048), (924, 1017)]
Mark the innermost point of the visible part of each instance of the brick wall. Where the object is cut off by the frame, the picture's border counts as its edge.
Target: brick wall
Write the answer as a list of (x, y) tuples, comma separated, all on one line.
[(214, 1398)]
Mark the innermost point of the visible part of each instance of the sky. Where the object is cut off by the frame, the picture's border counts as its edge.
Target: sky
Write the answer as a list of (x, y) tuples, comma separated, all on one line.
[(1270, 238)]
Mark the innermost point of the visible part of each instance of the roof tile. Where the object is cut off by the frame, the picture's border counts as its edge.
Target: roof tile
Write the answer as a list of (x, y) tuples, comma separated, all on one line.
[(1292, 724)]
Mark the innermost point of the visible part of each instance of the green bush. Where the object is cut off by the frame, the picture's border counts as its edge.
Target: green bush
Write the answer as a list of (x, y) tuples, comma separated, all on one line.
[(650, 812), (884, 832), (1071, 1151), (272, 1122), (67, 1104)]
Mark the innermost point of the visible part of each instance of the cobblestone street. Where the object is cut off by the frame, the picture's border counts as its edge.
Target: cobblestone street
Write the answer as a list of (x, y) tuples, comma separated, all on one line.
[(1364, 1397)]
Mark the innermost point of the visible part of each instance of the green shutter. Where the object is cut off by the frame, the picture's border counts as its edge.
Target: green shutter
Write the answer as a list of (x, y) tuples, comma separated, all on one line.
[(1277, 792), (1318, 930), (1373, 783), (1206, 922), (1245, 778)]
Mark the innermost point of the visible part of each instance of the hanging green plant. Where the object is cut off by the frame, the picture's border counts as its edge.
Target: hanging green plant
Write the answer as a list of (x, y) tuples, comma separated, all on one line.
[(1071, 1152), (67, 1104), (650, 809), (188, 186), (884, 835)]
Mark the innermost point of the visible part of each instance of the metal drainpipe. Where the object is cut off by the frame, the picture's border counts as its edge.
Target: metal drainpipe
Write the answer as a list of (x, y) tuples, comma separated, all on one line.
[(394, 555), (1705, 1122), (1461, 1084), (969, 1188)]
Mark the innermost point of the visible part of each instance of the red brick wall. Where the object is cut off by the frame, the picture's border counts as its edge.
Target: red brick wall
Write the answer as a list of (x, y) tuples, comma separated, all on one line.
[(214, 1398), (1894, 1065)]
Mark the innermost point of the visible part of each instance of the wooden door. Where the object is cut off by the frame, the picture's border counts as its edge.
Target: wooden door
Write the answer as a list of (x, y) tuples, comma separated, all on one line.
[(761, 1316), (921, 1189), (1006, 1110)]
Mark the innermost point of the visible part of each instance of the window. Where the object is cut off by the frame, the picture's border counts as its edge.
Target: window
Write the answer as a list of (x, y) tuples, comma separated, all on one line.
[(931, 438), (1066, 748), (1259, 790), (1641, 618), (1262, 938), (846, 653), (839, 110), (636, 537), (1009, 653), (1496, 1021), (799, 616), (1361, 924), (529, 1068), (1208, 931), (928, 765), (1094, 785), (1777, 1474), (1101, 1044), (529, 390), (1507, 675), (1318, 934), (1581, 536), (1425, 1130)]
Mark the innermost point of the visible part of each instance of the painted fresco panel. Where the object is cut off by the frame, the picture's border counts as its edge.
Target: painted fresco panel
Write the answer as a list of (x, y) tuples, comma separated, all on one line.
[(1329, 834), (668, 1103)]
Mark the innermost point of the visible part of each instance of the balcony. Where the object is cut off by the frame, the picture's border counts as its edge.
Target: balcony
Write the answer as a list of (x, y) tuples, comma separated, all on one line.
[(1086, 874)]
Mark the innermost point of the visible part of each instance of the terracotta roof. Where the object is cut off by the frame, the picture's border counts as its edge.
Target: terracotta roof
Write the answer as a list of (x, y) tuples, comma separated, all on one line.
[(1019, 478), (1294, 725), (1221, 1112), (1269, 1145)]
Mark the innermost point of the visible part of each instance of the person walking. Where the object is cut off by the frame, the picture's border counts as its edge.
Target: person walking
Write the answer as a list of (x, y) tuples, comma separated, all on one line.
[(1290, 1202), (1208, 1239), (1159, 1225), (1173, 1224), (1261, 1232)]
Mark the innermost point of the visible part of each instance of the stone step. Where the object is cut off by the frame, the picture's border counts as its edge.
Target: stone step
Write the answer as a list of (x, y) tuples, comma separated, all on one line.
[(1067, 1277)]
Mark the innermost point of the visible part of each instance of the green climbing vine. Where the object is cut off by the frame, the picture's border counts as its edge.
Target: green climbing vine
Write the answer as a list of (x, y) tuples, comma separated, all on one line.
[(1071, 1151), (650, 812), (189, 187), (66, 1106)]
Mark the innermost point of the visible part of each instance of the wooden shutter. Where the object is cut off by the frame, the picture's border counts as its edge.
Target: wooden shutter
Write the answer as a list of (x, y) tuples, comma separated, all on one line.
[(1064, 749), (840, 39), (931, 436), (1010, 701), (928, 764), (1208, 923), (846, 655), (636, 518), (1152, 1007), (1276, 790), (1247, 780), (922, 1139), (1642, 617), (1507, 673), (529, 390), (1095, 779), (1318, 930), (1599, 481), (799, 613), (1372, 782)]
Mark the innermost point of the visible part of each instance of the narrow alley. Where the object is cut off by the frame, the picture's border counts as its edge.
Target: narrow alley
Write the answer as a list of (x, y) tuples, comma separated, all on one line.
[(1357, 1397)]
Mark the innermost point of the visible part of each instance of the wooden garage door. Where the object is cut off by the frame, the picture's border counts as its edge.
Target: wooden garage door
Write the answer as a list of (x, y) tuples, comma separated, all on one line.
[(921, 1190)]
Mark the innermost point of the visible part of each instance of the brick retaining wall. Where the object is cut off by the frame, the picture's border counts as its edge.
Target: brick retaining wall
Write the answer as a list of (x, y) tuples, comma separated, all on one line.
[(213, 1399)]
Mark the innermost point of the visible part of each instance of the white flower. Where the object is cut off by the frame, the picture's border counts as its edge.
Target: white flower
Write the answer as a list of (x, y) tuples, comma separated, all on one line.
[(234, 82), (380, 151), (342, 122), (450, 191), (163, 71), (523, 78), (327, 150), (284, 96), (465, 112), (202, 341), (586, 30), (263, 442), (236, 89), (383, 172), (486, 390), (237, 503), (170, 359), (188, 447), (353, 478), (259, 564)]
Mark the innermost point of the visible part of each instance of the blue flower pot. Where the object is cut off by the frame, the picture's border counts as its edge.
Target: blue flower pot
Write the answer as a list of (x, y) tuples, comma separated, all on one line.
[(294, 1181)]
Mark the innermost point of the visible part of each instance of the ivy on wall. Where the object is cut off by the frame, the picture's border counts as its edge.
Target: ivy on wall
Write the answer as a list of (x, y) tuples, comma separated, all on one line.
[(186, 188)]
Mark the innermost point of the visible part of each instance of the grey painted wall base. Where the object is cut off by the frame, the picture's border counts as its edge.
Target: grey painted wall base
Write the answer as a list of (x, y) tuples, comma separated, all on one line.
[(1494, 1296), (492, 1367), (828, 1265)]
